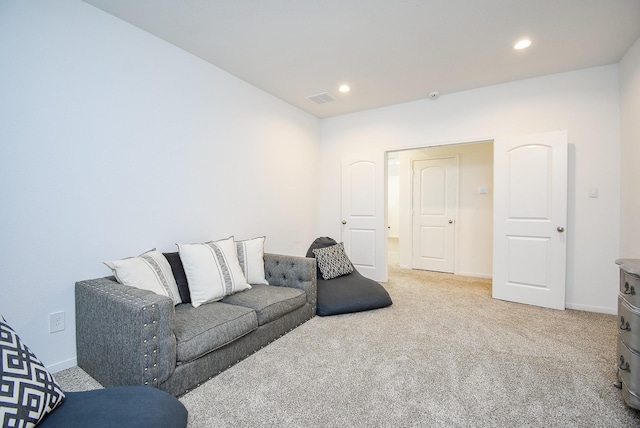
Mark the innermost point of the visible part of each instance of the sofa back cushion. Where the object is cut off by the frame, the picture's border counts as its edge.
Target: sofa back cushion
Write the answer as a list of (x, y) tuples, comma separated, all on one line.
[(268, 301), (179, 275)]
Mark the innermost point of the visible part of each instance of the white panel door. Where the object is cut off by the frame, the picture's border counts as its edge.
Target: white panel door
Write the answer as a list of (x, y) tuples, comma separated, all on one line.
[(363, 231), (435, 184), (530, 217)]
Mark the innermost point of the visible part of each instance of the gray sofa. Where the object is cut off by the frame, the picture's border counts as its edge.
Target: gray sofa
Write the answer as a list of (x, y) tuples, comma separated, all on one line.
[(129, 336)]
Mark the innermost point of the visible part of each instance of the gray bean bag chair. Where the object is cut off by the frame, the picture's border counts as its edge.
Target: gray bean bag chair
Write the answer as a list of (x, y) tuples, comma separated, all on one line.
[(347, 293)]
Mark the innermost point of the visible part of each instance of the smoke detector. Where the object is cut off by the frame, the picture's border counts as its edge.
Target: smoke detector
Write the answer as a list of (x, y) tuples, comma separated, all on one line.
[(434, 95), (321, 98)]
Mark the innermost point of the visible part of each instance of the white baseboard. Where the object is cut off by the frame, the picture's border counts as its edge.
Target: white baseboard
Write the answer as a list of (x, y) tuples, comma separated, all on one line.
[(475, 275), (588, 308), (58, 367), (471, 274)]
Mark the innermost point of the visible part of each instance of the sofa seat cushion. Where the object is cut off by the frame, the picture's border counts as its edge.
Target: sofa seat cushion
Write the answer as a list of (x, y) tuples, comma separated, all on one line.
[(209, 327), (268, 301)]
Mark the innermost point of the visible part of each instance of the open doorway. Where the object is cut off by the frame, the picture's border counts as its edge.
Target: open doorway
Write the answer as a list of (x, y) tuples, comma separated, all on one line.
[(472, 221)]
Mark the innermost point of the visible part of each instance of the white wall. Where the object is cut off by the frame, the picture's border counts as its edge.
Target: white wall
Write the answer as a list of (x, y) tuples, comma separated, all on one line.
[(584, 102), (114, 142), (630, 153), (474, 222)]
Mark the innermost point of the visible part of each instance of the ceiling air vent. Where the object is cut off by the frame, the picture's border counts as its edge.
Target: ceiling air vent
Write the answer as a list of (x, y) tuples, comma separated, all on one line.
[(323, 98)]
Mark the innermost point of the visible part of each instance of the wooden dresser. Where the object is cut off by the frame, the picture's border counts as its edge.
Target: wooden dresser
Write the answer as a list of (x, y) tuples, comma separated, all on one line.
[(628, 358)]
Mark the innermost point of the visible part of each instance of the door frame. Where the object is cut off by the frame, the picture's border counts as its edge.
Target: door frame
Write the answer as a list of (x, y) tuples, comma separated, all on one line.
[(421, 147)]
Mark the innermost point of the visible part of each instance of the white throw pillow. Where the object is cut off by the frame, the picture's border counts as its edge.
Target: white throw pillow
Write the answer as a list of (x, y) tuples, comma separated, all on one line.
[(251, 258), (212, 270), (149, 271)]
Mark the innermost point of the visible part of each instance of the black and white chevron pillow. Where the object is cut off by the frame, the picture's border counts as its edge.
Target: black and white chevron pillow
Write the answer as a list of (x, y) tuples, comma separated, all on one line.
[(332, 261), (27, 390)]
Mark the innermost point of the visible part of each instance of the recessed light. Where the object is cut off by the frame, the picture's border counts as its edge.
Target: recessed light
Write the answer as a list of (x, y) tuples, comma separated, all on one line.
[(344, 88), (522, 44)]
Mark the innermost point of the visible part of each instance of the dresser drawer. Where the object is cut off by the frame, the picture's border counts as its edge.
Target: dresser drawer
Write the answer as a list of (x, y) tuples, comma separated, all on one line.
[(629, 323), (632, 400), (628, 367), (630, 288)]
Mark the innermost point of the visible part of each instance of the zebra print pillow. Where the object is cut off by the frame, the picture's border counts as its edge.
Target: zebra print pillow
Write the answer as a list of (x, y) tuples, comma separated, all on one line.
[(332, 261), (28, 392)]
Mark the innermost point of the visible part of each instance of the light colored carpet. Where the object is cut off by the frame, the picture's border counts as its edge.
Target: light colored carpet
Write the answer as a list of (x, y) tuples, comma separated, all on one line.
[(444, 355)]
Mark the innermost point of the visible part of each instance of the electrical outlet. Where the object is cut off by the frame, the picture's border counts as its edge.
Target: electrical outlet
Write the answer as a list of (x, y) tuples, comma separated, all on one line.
[(56, 322)]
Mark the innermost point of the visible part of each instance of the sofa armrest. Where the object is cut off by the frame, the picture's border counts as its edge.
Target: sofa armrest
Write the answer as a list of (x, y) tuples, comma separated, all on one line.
[(292, 271), (124, 335)]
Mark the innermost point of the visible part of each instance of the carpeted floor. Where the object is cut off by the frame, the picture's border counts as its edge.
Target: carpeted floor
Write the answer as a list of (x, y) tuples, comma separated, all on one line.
[(444, 355)]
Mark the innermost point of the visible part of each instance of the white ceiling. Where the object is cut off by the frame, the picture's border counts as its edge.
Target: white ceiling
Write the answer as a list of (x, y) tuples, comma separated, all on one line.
[(389, 51)]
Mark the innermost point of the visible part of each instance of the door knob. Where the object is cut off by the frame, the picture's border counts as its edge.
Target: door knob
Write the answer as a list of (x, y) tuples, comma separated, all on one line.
[(344, 221), (560, 229), (450, 221)]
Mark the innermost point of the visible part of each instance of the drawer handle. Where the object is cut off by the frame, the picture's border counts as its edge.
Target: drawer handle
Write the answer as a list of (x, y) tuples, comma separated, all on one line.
[(624, 325), (623, 364), (631, 291)]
